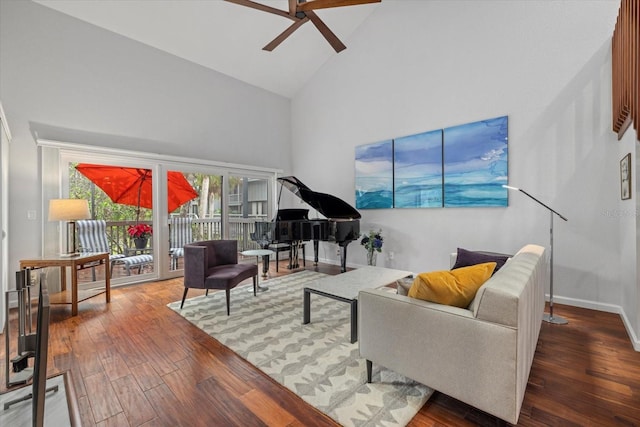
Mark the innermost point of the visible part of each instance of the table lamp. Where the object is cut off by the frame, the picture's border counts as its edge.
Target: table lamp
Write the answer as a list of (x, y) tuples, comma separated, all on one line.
[(550, 318), (69, 210)]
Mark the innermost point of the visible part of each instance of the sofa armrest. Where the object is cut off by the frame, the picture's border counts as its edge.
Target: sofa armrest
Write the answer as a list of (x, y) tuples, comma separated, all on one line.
[(195, 266), (443, 347)]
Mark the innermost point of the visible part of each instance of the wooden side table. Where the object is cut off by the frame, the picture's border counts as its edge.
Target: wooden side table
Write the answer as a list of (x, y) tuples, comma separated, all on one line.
[(76, 263)]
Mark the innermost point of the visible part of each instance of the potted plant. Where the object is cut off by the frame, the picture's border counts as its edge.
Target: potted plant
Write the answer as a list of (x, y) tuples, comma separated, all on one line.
[(140, 234), (372, 242)]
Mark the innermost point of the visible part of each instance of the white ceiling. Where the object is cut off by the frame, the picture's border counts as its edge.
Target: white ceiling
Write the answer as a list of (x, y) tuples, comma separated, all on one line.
[(224, 36)]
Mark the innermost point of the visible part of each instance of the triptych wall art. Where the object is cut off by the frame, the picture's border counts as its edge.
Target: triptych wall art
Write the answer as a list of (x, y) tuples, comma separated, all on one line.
[(459, 166)]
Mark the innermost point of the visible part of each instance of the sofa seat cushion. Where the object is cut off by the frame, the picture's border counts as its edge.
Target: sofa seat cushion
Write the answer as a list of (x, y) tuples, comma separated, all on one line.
[(227, 276), (456, 287)]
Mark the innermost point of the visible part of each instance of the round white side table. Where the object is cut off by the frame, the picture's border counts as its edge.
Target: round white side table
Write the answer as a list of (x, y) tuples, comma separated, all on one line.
[(264, 253)]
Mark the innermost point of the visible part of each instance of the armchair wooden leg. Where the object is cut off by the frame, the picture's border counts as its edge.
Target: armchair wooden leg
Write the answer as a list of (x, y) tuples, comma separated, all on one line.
[(369, 369), (228, 294), (183, 297), (255, 285)]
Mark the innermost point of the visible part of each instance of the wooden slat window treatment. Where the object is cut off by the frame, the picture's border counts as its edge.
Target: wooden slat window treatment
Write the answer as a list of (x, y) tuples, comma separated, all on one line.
[(625, 46)]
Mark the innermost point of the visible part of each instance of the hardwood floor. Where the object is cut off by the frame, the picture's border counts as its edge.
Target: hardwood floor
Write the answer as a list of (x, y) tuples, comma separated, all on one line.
[(135, 362)]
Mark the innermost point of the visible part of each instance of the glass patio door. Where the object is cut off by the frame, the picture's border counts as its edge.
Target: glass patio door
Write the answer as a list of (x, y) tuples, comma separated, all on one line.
[(201, 218), (121, 200), (249, 202), (247, 199), (225, 203)]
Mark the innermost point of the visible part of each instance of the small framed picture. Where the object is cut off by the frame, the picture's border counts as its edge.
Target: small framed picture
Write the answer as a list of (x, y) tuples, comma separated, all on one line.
[(625, 177)]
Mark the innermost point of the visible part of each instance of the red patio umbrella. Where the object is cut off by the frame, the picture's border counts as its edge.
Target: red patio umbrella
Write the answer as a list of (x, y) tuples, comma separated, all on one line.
[(132, 186)]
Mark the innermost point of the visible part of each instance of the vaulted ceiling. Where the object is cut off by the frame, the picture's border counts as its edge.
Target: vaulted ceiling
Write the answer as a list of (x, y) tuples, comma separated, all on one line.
[(225, 37)]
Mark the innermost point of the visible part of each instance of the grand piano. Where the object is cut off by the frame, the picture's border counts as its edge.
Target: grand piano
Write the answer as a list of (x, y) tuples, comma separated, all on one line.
[(341, 224)]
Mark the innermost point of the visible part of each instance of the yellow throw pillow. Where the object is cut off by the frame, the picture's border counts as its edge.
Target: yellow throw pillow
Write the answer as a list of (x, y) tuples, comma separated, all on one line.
[(456, 287)]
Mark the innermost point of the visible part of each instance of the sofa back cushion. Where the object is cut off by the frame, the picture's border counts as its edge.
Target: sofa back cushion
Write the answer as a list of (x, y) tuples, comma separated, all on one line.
[(519, 283)]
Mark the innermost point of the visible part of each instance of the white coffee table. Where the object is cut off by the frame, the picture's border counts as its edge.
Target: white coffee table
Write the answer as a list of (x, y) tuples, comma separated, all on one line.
[(346, 286)]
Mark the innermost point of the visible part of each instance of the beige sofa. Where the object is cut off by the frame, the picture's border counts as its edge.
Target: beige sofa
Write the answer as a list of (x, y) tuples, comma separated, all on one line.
[(480, 355)]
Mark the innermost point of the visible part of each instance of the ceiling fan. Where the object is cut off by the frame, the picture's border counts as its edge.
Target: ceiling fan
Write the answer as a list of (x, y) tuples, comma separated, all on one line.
[(301, 11)]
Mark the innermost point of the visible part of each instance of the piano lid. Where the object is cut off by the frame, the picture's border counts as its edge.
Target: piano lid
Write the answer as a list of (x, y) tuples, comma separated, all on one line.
[(328, 205)]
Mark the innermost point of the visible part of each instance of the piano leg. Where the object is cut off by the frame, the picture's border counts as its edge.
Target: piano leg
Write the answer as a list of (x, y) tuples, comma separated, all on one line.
[(293, 256), (315, 251), (343, 258)]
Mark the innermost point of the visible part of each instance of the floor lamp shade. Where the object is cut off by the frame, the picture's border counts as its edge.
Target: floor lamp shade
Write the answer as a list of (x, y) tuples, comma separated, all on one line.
[(69, 210)]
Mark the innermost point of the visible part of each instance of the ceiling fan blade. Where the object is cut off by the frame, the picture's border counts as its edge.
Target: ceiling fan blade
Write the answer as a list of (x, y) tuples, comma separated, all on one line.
[(293, 5), (263, 7), (333, 40), (324, 4), (286, 33)]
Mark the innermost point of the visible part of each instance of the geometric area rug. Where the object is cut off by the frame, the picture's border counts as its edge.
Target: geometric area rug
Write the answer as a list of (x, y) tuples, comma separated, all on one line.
[(316, 361)]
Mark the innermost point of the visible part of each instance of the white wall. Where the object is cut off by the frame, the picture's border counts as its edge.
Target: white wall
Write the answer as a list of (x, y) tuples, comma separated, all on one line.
[(5, 138), (415, 66), (626, 217), (71, 81), (631, 293), (630, 236)]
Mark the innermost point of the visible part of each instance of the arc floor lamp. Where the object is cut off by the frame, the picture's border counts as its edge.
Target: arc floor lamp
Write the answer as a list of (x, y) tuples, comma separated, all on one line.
[(547, 317)]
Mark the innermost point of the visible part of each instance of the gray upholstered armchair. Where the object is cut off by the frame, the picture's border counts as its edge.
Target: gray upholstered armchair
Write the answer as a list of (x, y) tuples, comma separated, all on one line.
[(213, 264)]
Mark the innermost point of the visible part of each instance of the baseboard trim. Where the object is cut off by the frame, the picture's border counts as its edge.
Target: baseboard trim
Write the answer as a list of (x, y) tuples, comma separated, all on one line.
[(607, 308)]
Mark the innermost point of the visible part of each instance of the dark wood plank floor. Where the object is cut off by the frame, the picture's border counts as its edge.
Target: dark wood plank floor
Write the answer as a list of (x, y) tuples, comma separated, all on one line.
[(135, 362)]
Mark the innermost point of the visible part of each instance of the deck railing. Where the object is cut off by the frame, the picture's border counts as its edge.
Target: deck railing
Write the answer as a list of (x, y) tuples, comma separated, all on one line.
[(240, 229)]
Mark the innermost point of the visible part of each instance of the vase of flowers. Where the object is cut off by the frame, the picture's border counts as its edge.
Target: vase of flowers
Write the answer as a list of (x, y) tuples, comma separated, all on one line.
[(372, 242), (140, 234)]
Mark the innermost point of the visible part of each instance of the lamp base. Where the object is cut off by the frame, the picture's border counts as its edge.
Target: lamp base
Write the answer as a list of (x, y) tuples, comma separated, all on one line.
[(554, 319)]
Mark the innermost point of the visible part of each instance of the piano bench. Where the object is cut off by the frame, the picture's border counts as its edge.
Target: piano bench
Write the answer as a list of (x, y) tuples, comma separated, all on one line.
[(277, 248), (280, 247)]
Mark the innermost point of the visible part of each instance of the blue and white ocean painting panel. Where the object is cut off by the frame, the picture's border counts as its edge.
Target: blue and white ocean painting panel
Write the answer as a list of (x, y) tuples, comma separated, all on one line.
[(374, 175), (475, 164), (418, 170)]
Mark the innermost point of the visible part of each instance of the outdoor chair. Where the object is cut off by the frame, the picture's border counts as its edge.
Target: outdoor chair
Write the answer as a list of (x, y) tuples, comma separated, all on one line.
[(213, 264), (262, 234), (92, 234), (180, 233)]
